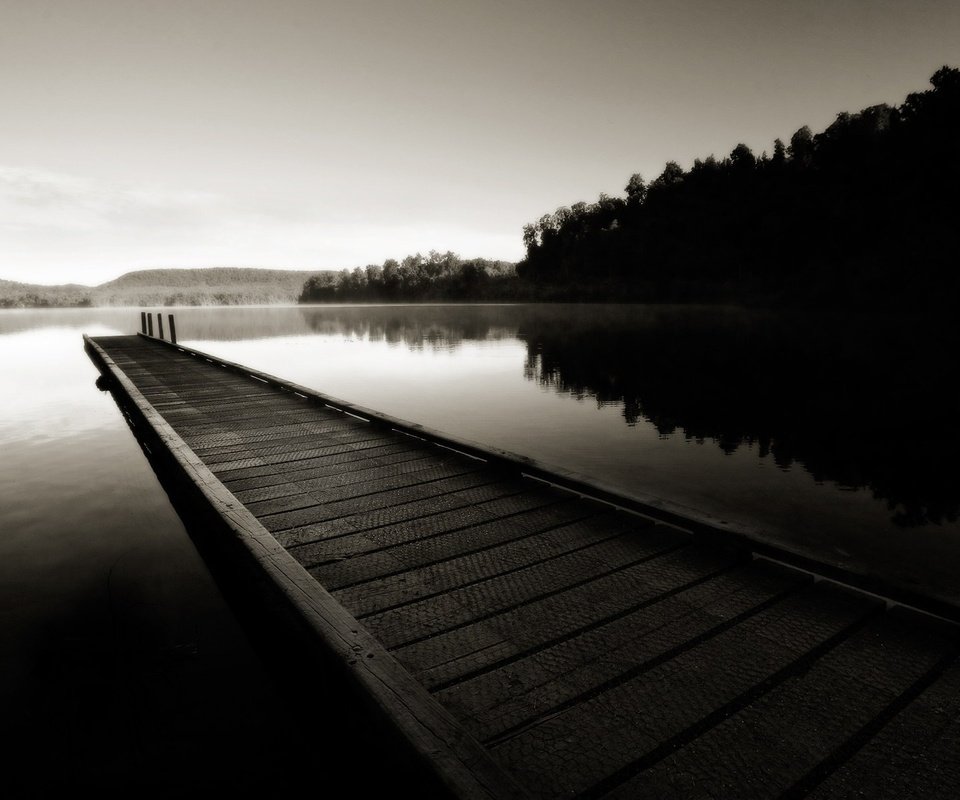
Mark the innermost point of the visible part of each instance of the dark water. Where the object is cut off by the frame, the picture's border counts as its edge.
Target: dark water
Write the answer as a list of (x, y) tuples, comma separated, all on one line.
[(121, 667), (835, 437)]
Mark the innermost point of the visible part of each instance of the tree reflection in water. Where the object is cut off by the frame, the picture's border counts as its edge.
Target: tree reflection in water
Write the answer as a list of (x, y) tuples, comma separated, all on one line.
[(860, 401)]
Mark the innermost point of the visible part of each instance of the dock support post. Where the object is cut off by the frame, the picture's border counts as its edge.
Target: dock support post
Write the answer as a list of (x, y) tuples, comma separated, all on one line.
[(149, 324), (160, 324), (173, 330), (143, 321)]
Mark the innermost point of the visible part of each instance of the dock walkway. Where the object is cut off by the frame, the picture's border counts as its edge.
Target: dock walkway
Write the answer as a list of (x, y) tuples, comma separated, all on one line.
[(527, 640)]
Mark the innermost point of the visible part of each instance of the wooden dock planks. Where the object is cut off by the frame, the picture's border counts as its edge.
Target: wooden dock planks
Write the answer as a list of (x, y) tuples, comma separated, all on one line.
[(579, 649)]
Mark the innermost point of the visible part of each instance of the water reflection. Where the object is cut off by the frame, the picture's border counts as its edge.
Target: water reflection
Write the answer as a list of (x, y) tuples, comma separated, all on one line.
[(43, 373), (117, 652), (418, 327), (859, 402), (826, 435), (863, 402)]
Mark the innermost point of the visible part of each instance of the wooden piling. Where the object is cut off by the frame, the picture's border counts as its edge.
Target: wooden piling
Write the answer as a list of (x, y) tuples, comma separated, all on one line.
[(173, 330), (143, 321), (159, 324), (149, 324)]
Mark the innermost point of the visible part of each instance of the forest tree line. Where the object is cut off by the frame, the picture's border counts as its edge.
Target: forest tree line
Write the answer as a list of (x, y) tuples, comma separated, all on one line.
[(863, 213), (417, 278)]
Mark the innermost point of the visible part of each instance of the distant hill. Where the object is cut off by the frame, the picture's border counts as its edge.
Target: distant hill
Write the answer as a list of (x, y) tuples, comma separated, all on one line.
[(31, 295), (165, 287)]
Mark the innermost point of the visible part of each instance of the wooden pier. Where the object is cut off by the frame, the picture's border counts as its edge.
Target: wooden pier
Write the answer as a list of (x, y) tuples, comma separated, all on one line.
[(519, 633)]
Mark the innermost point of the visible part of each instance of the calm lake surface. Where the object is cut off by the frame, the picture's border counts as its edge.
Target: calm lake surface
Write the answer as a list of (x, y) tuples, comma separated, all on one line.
[(834, 437), (121, 667)]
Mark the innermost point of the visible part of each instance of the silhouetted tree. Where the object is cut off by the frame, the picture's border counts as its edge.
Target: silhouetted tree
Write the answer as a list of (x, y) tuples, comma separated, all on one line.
[(636, 188), (801, 146), (742, 158), (863, 213), (672, 175), (438, 276), (779, 153)]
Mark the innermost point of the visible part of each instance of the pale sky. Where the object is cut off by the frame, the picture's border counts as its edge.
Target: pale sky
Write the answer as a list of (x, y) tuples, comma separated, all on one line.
[(313, 134)]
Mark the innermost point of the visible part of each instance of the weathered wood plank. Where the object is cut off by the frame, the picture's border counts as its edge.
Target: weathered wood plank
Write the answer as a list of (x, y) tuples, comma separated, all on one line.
[(575, 750), (423, 619), (772, 743), (257, 424), (238, 441), (420, 467), (352, 460), (168, 399), (306, 441), (488, 562), (322, 492), (275, 408), (915, 756), (339, 545), (455, 655), (296, 457), (300, 518), (417, 512), (383, 570), (544, 672)]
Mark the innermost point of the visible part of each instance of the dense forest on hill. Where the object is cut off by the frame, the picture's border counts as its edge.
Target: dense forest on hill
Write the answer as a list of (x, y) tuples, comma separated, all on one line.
[(417, 278), (864, 213), (164, 287)]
